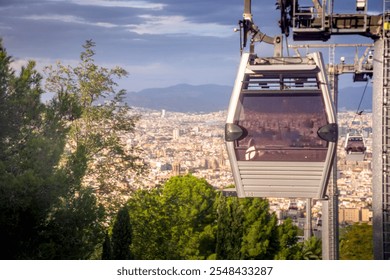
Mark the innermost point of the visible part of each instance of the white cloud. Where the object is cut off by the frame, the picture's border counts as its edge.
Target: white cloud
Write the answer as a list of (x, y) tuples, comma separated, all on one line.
[(41, 62), (55, 17), (16, 64), (179, 25), (69, 19), (121, 3)]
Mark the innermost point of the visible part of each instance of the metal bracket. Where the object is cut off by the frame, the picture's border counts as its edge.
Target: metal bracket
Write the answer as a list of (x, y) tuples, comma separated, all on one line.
[(328, 132)]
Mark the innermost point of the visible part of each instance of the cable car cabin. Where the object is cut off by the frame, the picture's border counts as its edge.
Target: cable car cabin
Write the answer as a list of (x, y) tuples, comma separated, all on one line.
[(280, 131), (355, 147)]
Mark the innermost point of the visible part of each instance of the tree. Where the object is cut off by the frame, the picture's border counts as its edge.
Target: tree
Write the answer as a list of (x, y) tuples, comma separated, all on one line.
[(186, 218), (122, 236), (289, 248), (28, 153), (260, 237), (151, 226), (230, 228), (356, 242), (312, 249), (6, 74), (190, 205), (107, 249), (87, 99), (247, 230), (74, 227), (47, 210), (175, 221)]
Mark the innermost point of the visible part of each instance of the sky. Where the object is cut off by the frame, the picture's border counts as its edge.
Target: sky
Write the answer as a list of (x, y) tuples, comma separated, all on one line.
[(159, 42)]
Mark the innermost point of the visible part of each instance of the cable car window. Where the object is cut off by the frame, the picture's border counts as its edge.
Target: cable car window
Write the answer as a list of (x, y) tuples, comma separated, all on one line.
[(281, 127), (355, 144)]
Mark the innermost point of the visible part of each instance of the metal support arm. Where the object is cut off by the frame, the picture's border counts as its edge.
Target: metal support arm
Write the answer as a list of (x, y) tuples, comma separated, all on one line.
[(249, 29)]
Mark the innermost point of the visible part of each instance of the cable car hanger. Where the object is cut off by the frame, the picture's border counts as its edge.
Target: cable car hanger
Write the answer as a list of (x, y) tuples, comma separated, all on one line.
[(248, 29), (355, 145)]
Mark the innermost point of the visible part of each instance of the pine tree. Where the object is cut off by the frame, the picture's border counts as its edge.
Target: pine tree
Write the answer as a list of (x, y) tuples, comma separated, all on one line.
[(107, 249), (260, 237), (230, 229), (289, 248), (122, 236)]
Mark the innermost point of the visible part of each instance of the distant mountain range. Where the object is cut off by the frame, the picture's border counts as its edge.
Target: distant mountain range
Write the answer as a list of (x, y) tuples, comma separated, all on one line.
[(182, 98), (213, 98)]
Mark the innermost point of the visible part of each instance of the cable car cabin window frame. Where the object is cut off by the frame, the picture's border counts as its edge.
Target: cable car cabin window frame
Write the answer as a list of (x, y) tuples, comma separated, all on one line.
[(355, 144), (280, 175), (291, 136)]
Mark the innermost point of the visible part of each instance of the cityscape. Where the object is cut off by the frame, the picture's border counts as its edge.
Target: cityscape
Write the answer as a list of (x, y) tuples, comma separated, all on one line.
[(179, 143)]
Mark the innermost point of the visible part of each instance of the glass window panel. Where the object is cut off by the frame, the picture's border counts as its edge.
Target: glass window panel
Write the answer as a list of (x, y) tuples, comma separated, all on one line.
[(282, 127), (355, 144)]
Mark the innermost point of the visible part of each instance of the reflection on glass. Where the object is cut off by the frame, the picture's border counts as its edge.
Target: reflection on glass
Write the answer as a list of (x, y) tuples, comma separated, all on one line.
[(282, 127)]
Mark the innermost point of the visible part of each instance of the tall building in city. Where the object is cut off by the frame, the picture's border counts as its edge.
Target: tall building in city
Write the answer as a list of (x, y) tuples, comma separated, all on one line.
[(213, 164), (176, 168), (349, 215), (222, 160), (176, 134), (205, 163)]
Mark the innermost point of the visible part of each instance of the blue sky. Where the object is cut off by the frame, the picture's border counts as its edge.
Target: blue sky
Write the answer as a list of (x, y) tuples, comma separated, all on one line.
[(159, 42)]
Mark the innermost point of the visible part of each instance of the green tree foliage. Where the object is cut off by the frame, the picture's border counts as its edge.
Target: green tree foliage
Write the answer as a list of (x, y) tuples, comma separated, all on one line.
[(122, 236), (74, 227), (87, 99), (178, 220), (187, 219), (356, 242), (30, 146), (289, 248), (260, 239), (150, 222), (107, 248), (230, 228), (47, 209), (7, 77), (147, 222), (189, 201), (312, 249), (247, 230)]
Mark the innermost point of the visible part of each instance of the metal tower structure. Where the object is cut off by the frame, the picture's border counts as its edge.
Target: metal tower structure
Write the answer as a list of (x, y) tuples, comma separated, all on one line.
[(386, 133), (330, 206), (361, 69), (381, 145), (313, 23)]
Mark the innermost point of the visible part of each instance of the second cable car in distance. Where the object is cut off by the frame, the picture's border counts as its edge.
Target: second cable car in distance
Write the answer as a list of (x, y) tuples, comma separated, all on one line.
[(280, 131), (355, 147)]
